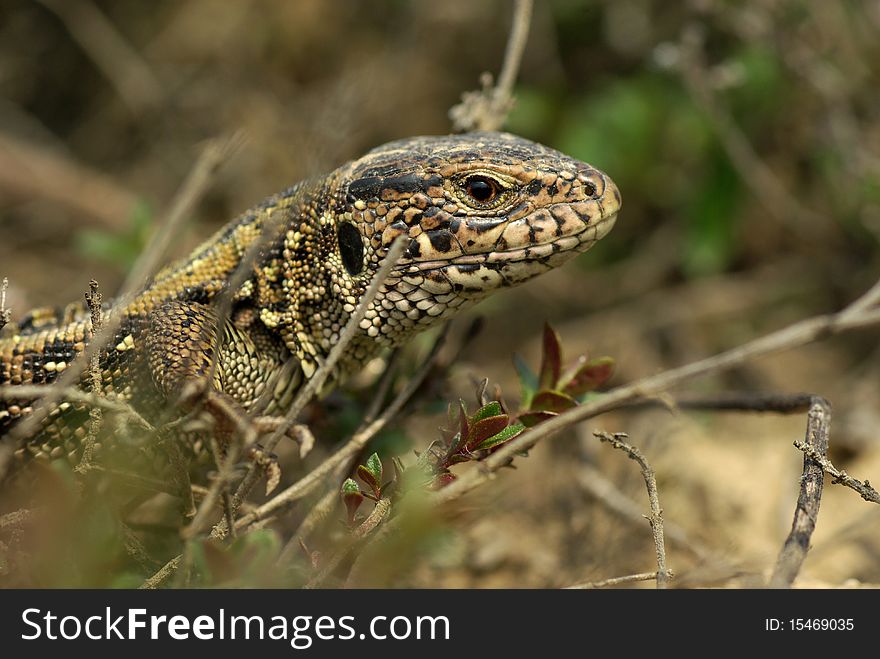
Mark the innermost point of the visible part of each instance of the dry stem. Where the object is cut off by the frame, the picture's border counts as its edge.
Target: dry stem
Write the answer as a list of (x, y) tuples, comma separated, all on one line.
[(656, 517)]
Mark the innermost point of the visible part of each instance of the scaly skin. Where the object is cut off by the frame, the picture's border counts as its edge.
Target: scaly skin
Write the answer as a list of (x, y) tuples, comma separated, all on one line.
[(481, 211)]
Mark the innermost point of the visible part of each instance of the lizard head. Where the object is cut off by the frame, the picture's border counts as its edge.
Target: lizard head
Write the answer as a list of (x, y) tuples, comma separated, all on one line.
[(481, 211)]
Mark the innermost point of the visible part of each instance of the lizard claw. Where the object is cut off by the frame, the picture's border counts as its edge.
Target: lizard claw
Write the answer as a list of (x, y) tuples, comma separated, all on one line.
[(268, 462)]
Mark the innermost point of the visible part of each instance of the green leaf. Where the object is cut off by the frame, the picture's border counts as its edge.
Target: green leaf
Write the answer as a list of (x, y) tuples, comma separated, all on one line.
[(374, 465), (505, 435), (551, 359), (552, 401), (490, 409), (350, 487), (485, 428)]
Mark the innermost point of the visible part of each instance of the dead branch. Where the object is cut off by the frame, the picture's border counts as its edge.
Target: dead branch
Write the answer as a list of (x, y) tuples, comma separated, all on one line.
[(5, 314), (93, 300), (616, 581), (839, 476), (796, 546), (656, 517), (487, 108)]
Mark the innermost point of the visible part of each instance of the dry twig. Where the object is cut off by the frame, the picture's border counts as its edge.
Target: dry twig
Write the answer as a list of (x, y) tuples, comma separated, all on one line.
[(617, 581), (656, 517), (797, 544), (487, 108), (93, 299), (5, 314)]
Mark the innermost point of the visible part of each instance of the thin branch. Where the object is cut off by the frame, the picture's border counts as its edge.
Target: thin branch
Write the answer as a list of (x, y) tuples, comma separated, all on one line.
[(164, 573), (656, 518), (594, 483), (487, 108), (616, 581), (94, 300), (839, 476), (5, 314), (796, 546)]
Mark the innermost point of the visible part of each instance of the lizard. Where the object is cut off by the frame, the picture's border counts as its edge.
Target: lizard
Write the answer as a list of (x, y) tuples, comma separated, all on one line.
[(481, 211)]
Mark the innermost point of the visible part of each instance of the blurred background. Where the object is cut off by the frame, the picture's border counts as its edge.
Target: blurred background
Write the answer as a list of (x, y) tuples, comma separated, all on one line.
[(744, 136)]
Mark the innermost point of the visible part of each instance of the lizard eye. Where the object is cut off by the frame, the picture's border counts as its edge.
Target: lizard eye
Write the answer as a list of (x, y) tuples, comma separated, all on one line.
[(481, 189), (351, 248)]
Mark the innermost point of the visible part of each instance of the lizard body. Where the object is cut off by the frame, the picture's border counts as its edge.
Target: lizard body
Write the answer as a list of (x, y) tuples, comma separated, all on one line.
[(480, 211)]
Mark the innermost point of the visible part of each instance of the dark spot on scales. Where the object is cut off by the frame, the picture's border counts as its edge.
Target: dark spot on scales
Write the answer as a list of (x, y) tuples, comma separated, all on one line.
[(369, 187), (440, 240), (415, 250), (468, 267), (365, 188), (534, 188)]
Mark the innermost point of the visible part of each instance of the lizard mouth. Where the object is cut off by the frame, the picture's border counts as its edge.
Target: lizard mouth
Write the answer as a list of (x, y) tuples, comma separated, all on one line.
[(474, 275), (576, 243)]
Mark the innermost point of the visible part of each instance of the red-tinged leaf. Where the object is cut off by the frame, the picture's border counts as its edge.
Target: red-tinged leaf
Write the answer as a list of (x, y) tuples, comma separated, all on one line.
[(490, 409), (505, 435), (552, 401), (351, 497), (571, 371), (530, 419), (551, 359), (485, 428), (367, 477), (590, 376)]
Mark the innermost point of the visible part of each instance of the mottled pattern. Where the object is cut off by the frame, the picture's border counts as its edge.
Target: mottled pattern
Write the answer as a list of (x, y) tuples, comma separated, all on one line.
[(481, 211)]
